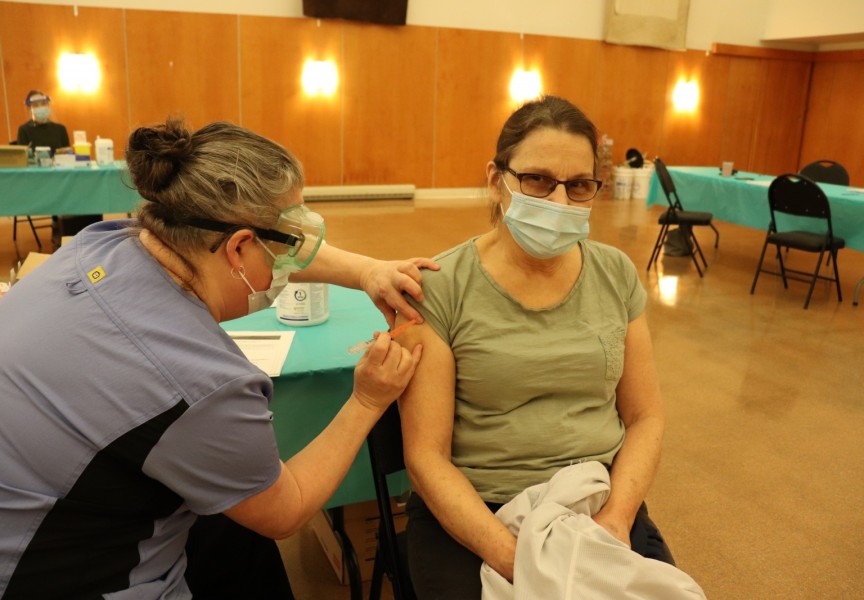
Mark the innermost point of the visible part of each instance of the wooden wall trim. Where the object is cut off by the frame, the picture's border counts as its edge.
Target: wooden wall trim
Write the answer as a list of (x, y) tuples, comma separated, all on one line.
[(754, 52), (839, 56), (780, 54)]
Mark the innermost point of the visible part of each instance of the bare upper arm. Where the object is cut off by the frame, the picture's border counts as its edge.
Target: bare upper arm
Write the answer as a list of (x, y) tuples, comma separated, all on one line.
[(427, 404), (269, 512)]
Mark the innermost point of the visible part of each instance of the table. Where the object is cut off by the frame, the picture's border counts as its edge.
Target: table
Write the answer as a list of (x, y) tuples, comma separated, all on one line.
[(67, 190), (318, 377), (316, 380), (743, 199)]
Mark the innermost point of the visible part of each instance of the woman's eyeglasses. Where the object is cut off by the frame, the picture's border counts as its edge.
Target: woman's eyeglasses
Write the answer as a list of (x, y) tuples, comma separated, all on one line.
[(540, 186)]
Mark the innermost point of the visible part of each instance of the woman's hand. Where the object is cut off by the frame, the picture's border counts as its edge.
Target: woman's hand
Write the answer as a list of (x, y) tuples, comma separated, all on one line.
[(618, 527), (385, 281), (383, 372)]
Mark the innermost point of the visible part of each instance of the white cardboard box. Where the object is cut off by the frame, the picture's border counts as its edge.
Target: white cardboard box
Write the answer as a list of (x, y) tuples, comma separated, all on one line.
[(33, 260)]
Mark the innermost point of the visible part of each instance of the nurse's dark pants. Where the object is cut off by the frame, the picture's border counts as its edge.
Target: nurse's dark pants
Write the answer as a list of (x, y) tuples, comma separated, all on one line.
[(226, 561)]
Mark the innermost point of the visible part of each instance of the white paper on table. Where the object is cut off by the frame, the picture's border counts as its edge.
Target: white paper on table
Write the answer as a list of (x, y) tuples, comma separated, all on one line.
[(266, 350), (761, 182)]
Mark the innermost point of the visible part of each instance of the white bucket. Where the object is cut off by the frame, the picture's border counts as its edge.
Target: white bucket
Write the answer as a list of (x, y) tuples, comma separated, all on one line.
[(642, 182), (623, 182)]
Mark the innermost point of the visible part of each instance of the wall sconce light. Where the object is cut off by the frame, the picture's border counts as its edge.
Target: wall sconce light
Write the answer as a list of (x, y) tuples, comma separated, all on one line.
[(685, 97), (525, 85), (320, 78), (79, 73)]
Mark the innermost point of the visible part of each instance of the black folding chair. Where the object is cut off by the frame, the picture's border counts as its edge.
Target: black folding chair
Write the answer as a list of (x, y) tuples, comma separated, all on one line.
[(826, 171), (686, 220), (44, 223), (391, 557), (797, 195)]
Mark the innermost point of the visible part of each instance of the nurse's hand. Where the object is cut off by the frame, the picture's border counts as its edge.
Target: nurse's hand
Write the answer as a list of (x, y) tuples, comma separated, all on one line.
[(383, 372), (386, 280)]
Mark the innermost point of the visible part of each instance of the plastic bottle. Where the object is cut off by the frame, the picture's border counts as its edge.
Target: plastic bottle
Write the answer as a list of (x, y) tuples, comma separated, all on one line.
[(104, 151), (303, 304)]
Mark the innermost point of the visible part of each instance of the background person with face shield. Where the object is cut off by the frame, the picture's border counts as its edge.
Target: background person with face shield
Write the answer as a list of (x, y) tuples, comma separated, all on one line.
[(128, 413), (40, 130)]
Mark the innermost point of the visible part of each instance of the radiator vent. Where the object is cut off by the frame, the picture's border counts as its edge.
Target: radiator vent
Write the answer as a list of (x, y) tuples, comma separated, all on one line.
[(358, 192)]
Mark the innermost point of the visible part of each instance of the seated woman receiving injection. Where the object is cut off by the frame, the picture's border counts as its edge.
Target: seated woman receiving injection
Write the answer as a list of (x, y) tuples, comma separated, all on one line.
[(536, 356)]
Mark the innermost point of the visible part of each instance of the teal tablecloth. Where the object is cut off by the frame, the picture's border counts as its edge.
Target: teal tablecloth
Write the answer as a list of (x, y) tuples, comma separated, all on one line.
[(318, 377), (743, 199), (67, 190)]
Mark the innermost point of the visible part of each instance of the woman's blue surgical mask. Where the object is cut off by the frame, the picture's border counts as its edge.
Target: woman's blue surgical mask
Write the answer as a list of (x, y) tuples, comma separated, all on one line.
[(542, 228)]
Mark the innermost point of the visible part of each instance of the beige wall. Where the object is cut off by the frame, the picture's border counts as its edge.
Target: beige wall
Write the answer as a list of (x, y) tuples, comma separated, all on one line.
[(424, 104)]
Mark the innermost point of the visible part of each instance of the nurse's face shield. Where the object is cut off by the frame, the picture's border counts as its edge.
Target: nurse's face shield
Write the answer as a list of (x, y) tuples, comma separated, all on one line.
[(306, 229), (293, 241)]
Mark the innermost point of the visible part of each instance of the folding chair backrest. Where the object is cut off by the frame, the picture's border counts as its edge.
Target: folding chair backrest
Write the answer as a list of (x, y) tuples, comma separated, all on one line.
[(827, 171), (667, 184), (797, 195)]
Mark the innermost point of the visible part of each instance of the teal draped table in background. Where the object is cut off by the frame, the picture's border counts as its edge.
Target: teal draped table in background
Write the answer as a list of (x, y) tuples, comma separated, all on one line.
[(743, 200), (67, 190), (316, 380)]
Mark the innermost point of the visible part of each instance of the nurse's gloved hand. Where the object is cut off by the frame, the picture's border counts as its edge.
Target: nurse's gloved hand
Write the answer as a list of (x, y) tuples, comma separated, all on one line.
[(383, 372), (386, 280)]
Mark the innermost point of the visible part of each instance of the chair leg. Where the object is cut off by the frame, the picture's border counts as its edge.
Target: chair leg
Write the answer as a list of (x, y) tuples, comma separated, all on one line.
[(782, 268), (716, 234), (815, 277), (694, 250), (377, 573), (837, 276), (14, 228), (759, 267), (658, 245), (698, 248), (35, 235)]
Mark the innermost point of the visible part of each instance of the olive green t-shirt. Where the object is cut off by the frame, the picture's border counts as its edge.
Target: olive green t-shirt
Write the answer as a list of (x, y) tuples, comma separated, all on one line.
[(535, 388)]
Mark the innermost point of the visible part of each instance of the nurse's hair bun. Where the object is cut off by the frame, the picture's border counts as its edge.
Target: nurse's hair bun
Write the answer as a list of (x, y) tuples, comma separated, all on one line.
[(156, 154)]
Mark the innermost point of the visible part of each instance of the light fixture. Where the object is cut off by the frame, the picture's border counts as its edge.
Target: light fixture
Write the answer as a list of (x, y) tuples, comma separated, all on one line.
[(685, 97), (525, 85), (79, 73), (320, 78)]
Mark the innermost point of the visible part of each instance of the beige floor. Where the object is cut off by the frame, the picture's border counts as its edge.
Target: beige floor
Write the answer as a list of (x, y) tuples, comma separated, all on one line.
[(761, 485)]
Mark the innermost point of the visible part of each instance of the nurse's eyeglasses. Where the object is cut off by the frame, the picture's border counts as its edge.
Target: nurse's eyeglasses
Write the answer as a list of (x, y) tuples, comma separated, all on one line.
[(540, 186), (293, 241)]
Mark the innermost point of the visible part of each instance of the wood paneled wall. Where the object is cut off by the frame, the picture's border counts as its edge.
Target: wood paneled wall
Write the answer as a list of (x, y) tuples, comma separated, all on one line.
[(835, 114), (424, 105)]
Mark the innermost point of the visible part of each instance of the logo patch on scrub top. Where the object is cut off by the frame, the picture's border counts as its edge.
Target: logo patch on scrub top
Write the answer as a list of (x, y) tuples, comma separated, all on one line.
[(96, 275)]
